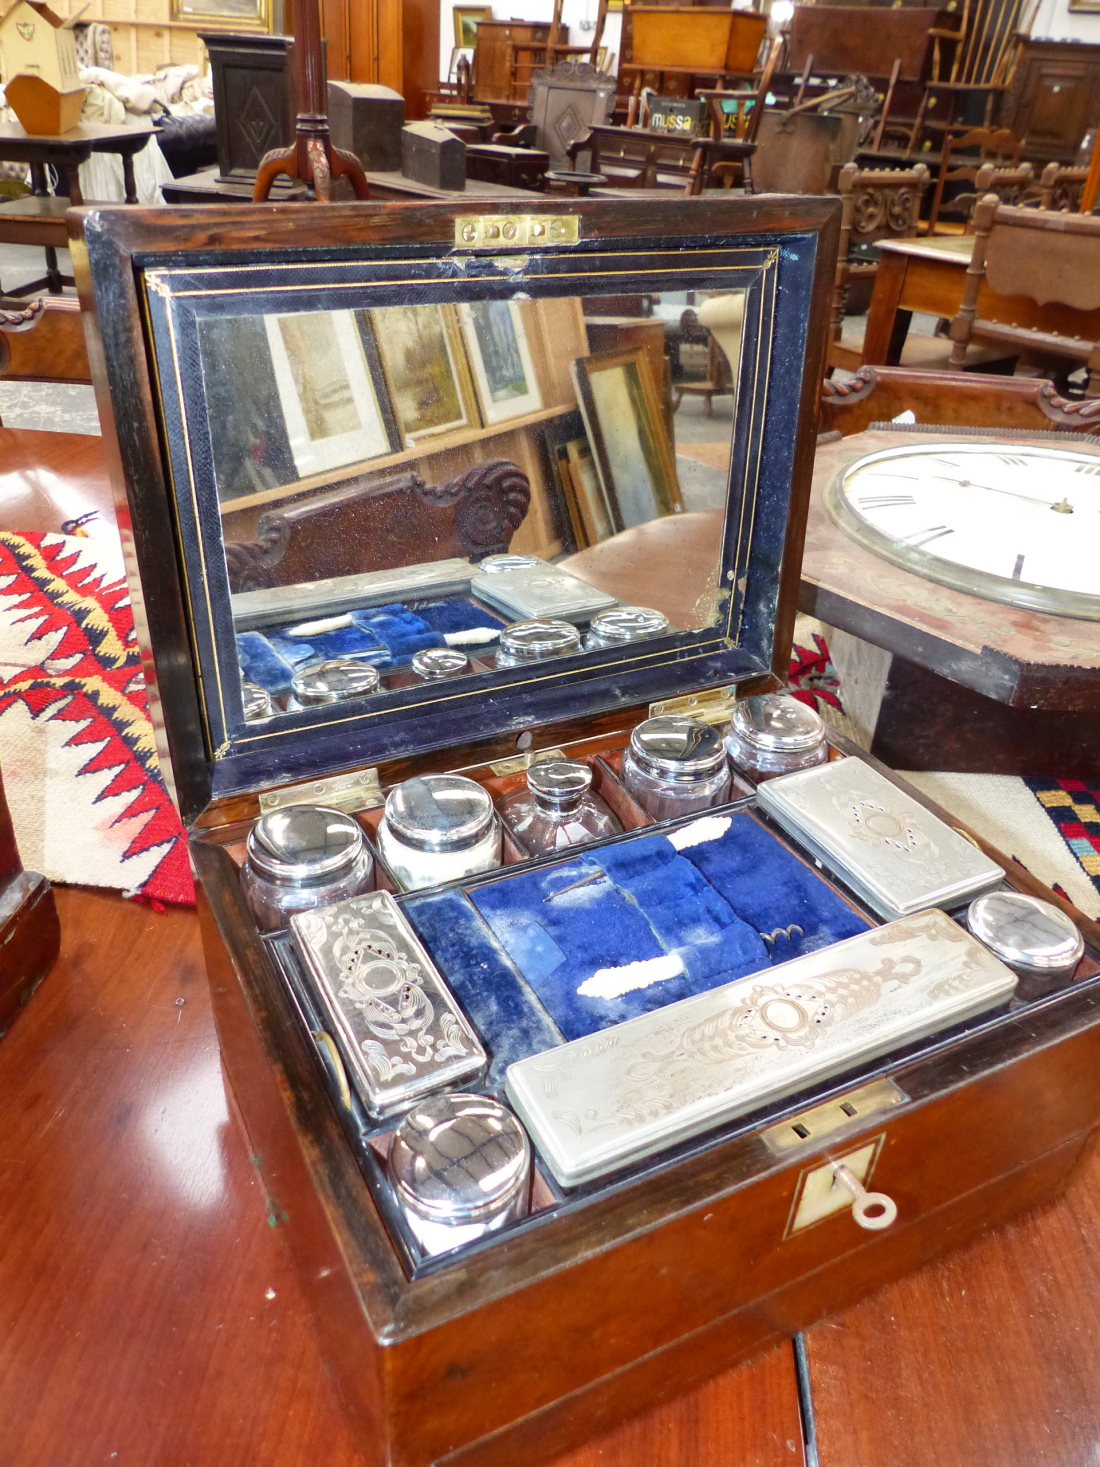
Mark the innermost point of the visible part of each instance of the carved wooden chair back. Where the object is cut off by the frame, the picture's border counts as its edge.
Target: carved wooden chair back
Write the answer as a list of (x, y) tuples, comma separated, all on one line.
[(1011, 185), (1047, 263), (1061, 188), (874, 205), (979, 145), (979, 400)]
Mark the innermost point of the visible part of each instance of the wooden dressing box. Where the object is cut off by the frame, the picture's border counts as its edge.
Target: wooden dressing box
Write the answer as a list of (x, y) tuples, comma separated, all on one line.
[(324, 418)]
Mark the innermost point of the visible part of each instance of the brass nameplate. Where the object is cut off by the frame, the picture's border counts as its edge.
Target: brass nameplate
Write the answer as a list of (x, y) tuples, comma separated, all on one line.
[(509, 231), (845, 1110)]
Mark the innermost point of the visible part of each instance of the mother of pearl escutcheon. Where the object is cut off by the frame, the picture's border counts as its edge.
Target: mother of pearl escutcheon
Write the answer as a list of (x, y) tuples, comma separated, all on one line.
[(603, 1102)]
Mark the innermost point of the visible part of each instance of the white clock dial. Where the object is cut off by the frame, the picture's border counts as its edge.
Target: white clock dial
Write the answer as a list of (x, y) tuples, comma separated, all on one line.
[(1007, 521)]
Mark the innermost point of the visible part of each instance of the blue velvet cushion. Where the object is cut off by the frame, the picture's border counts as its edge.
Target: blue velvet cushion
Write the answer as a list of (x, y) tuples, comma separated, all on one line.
[(458, 616), (261, 664), (497, 1001)]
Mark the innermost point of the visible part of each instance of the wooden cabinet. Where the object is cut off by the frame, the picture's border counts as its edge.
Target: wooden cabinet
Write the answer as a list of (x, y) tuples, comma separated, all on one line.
[(1054, 98), (508, 51), (393, 42)]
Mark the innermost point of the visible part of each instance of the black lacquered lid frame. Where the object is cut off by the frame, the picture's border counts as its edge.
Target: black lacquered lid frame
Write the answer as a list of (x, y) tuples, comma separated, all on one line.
[(151, 275)]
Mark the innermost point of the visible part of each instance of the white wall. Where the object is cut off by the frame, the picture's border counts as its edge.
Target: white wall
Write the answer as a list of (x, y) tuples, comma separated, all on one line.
[(574, 12), (1055, 21)]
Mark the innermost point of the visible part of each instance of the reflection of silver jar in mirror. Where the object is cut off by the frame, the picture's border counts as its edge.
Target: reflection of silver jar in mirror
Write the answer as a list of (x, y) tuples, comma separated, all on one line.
[(460, 1166), (439, 662), (437, 828), (624, 624), (301, 858), (495, 565), (675, 766), (257, 702), (1032, 937), (536, 641), (557, 809), (333, 681), (774, 733)]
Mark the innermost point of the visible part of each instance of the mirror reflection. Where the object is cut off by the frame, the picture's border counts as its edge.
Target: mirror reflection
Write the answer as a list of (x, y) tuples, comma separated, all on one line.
[(415, 493)]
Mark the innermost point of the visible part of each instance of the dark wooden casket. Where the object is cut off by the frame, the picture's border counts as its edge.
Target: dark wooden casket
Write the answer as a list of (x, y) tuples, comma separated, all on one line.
[(615, 1294)]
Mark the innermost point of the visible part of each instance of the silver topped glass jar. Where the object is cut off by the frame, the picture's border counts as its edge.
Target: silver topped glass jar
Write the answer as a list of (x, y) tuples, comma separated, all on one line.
[(774, 733), (536, 641), (557, 809), (333, 681), (495, 565), (257, 702), (624, 624), (460, 1166), (436, 828), (439, 662), (1032, 937), (675, 766), (300, 858)]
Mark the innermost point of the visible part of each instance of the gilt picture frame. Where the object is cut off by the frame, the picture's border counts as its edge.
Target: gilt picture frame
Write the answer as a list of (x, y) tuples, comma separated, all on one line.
[(466, 18), (426, 370)]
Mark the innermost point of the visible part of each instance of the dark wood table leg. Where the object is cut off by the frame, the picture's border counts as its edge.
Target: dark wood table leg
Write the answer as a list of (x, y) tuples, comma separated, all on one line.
[(39, 181), (889, 281), (72, 176), (55, 281), (128, 177)]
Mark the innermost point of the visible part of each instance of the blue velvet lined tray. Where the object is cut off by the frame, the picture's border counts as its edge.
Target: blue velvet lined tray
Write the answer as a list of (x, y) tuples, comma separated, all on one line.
[(692, 919), (387, 636)]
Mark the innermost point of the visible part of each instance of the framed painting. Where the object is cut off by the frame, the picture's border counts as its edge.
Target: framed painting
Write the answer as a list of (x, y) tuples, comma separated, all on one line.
[(500, 360), (258, 11), (466, 18), (426, 368), (327, 376), (630, 442)]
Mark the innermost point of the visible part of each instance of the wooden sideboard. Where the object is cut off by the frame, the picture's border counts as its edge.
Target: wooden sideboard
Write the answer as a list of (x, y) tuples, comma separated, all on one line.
[(1054, 98)]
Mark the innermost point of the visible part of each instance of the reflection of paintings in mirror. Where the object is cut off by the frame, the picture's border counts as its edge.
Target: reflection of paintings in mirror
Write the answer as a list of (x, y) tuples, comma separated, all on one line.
[(332, 412), (630, 442), (426, 368), (592, 505), (466, 18), (500, 359), (248, 441)]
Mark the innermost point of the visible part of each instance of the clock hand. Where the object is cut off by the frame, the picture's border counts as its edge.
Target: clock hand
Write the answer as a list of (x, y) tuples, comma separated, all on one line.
[(1062, 507)]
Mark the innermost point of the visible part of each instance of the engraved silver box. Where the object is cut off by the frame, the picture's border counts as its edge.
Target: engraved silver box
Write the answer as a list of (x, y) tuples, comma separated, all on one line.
[(602, 1102), (399, 1030), (541, 590), (890, 850)]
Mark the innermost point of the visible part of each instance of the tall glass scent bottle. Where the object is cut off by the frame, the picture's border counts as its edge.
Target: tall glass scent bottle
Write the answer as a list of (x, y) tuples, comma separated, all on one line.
[(557, 809), (675, 766), (300, 858), (437, 828), (774, 733)]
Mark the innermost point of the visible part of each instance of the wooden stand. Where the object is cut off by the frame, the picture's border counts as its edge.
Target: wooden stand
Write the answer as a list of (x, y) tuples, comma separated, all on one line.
[(30, 935)]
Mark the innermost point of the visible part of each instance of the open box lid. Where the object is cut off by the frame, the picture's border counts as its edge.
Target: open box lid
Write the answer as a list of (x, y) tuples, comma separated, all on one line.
[(363, 402)]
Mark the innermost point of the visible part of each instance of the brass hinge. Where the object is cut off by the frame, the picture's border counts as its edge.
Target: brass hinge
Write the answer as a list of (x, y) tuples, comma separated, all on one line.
[(846, 1110), (712, 705), (515, 231), (347, 792), (520, 762)]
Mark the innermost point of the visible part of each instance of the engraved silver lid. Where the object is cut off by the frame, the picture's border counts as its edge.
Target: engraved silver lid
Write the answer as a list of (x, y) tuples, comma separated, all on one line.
[(1025, 932), (493, 565), (626, 624), (559, 784), (331, 681), (304, 845), (257, 701), (531, 641), (439, 812), (681, 749), (778, 723), (459, 1158), (437, 662)]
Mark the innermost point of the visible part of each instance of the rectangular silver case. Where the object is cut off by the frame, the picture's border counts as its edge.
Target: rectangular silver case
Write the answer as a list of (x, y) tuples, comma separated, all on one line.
[(890, 850), (541, 591), (600, 1103), (399, 1030)]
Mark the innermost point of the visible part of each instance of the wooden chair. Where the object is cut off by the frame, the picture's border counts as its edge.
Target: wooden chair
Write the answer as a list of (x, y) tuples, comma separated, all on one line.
[(878, 394), (989, 145), (982, 63), (1061, 188), (1048, 262), (1011, 185)]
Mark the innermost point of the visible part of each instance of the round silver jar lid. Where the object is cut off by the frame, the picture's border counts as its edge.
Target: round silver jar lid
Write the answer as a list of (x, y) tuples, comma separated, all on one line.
[(678, 748), (257, 701), (304, 844), (559, 782), (439, 812), (531, 641), (459, 1158), (334, 680), (1025, 932), (627, 624), (494, 565), (437, 662), (777, 722)]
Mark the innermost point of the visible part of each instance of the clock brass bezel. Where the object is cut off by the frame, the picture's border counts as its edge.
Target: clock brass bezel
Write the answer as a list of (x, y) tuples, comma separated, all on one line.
[(1077, 605)]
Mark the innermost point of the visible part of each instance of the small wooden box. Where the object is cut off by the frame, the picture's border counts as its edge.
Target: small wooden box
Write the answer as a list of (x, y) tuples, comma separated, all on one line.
[(433, 155), (237, 356), (366, 119)]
